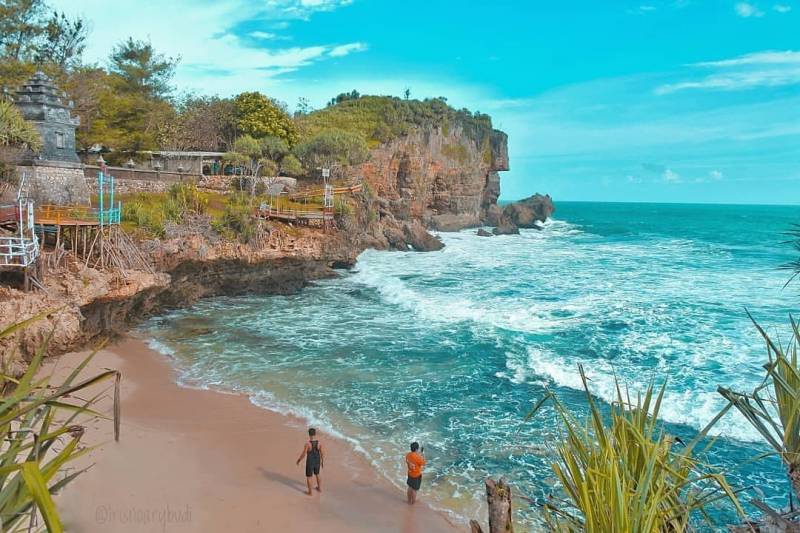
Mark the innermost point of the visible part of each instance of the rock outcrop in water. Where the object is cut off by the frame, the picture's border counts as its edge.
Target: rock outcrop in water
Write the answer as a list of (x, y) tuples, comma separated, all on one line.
[(525, 213)]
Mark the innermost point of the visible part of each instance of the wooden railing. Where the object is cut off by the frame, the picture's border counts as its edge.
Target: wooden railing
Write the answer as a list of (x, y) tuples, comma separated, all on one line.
[(63, 214), (267, 211)]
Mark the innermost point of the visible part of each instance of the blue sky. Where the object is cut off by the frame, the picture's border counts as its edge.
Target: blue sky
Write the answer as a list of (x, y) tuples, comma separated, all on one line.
[(675, 100)]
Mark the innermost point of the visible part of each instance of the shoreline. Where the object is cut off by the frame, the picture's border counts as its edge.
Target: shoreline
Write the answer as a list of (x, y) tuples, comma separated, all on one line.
[(192, 459)]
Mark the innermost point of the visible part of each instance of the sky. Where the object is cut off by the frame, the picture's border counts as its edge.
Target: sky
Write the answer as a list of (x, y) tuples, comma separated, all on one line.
[(654, 101)]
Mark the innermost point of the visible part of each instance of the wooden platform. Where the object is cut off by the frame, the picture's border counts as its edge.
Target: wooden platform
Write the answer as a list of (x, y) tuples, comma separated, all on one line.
[(72, 216)]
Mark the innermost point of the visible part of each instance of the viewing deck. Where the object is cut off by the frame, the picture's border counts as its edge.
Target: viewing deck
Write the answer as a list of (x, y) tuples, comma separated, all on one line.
[(267, 212), (59, 215)]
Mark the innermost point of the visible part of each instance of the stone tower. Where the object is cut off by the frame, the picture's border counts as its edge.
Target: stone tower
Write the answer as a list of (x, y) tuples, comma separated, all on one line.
[(55, 173), (40, 102)]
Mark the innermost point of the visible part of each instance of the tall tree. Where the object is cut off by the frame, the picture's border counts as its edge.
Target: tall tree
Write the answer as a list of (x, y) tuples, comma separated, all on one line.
[(333, 148), (261, 116), (63, 41), (203, 123), (141, 69), (21, 24)]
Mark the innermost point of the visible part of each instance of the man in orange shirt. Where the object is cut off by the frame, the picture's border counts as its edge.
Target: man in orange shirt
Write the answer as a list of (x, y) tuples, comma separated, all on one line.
[(415, 460)]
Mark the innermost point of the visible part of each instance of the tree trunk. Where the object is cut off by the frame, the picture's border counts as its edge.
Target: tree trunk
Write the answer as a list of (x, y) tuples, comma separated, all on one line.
[(794, 478), (498, 496)]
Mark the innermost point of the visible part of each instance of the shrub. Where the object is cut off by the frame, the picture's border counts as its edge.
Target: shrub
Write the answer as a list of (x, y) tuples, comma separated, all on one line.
[(238, 216), (40, 431)]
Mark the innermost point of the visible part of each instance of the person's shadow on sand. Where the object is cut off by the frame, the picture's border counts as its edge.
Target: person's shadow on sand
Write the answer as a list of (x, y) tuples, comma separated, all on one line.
[(299, 486)]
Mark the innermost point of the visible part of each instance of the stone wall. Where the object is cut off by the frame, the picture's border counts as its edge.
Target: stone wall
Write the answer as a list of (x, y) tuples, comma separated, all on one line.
[(128, 181), (55, 184)]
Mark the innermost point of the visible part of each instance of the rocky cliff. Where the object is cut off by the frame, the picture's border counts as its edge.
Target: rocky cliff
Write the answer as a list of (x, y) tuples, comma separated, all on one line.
[(434, 177), (83, 305), (445, 177)]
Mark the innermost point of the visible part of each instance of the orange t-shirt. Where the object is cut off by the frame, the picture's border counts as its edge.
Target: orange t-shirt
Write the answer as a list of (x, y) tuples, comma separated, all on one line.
[(415, 463)]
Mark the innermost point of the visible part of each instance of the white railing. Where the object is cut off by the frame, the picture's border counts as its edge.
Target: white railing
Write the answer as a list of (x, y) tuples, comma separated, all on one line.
[(18, 251), (22, 248)]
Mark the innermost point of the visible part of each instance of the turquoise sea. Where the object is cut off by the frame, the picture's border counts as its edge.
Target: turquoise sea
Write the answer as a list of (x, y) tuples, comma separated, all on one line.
[(453, 348)]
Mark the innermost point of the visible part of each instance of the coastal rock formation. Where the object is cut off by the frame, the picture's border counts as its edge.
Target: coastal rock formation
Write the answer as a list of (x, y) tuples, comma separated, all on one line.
[(526, 213), (506, 227), (445, 177), (88, 305), (483, 233)]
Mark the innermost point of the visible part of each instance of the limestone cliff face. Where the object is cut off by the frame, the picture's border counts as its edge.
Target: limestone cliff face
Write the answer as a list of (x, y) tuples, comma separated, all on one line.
[(447, 178)]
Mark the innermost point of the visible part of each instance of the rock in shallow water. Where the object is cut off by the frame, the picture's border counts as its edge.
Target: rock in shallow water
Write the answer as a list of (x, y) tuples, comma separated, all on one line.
[(526, 213), (483, 233), (506, 227)]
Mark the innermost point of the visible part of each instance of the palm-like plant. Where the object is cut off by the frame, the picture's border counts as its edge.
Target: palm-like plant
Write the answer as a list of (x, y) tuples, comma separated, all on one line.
[(794, 266), (40, 432), (773, 408), (15, 130), (627, 475)]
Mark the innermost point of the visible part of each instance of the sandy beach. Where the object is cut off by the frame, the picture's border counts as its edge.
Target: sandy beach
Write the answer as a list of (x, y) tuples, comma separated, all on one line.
[(195, 460)]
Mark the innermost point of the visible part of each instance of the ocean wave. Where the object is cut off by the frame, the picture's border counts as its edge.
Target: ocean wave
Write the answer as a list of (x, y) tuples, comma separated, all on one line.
[(692, 407)]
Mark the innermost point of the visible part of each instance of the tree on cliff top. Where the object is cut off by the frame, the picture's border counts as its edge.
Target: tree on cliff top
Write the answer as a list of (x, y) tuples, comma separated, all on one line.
[(141, 69), (332, 148), (379, 119), (260, 116)]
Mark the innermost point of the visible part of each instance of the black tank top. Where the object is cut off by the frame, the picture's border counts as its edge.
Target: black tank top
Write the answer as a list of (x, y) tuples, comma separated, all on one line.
[(313, 456)]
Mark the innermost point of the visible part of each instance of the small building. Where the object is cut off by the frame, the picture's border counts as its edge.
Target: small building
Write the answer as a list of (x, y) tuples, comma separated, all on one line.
[(190, 162), (54, 174)]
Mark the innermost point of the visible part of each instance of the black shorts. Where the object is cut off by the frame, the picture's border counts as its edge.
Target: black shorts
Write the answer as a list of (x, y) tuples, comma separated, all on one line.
[(414, 482), (312, 470)]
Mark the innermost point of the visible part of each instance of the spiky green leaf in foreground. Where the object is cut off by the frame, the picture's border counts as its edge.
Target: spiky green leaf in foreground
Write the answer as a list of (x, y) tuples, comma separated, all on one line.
[(622, 473)]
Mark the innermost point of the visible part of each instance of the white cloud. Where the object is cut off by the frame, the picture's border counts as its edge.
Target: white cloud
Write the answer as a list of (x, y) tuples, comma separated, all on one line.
[(213, 60), (301, 9), (759, 69), (263, 35), (746, 10), (769, 57), (782, 8), (671, 176), (346, 49)]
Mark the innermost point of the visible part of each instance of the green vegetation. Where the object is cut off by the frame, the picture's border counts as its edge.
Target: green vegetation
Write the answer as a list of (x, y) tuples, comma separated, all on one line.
[(773, 408), (332, 147), (261, 116), (41, 432), (455, 151), (380, 119), (627, 475), (16, 136), (15, 130), (151, 211)]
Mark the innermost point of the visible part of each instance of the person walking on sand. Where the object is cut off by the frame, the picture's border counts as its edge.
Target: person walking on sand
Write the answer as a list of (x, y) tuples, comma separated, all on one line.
[(315, 458), (415, 460)]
